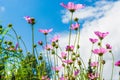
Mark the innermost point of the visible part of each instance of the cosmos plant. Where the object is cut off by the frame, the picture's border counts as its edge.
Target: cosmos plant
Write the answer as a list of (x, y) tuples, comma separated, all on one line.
[(53, 62)]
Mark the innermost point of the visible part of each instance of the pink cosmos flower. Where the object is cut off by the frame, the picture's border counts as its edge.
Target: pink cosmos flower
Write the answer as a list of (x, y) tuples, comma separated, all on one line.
[(108, 46), (93, 40), (117, 63), (40, 42), (57, 68), (94, 64), (55, 38), (71, 6), (99, 51), (63, 54), (63, 78), (48, 47), (70, 48), (101, 35), (29, 20), (68, 61), (76, 72), (75, 26), (45, 31), (45, 78), (93, 76)]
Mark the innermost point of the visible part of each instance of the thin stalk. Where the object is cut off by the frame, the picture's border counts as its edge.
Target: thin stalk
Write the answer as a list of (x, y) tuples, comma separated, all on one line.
[(24, 44), (78, 35), (75, 38), (70, 37), (55, 66), (70, 29), (32, 40), (91, 51), (47, 51), (112, 65), (16, 37)]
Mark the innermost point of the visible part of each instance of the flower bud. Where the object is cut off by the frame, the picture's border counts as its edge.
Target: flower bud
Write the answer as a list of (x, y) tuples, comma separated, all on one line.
[(9, 43), (53, 51), (76, 19), (20, 50), (10, 25), (103, 62), (40, 57), (79, 62), (35, 46)]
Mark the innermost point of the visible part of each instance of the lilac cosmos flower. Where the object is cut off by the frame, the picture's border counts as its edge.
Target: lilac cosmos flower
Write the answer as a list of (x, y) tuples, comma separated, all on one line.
[(63, 54), (63, 78), (101, 35), (69, 48), (93, 76), (93, 40), (75, 26), (117, 63), (45, 78), (55, 38), (29, 19), (40, 42), (108, 46), (68, 61), (94, 64), (99, 51), (71, 6), (45, 31), (76, 72), (57, 68), (48, 47)]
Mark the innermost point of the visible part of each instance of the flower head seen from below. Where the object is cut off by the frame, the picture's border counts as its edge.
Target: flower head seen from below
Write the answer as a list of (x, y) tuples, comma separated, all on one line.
[(30, 20), (62, 78), (48, 47), (68, 61), (108, 46), (93, 76), (94, 64), (117, 63), (40, 42), (63, 54), (71, 6), (93, 40), (70, 48), (75, 26), (45, 31), (57, 68), (55, 38), (101, 35), (76, 72), (45, 78), (99, 51)]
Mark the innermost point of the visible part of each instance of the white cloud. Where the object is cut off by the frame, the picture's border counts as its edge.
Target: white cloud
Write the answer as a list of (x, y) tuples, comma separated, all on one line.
[(105, 17), (2, 8)]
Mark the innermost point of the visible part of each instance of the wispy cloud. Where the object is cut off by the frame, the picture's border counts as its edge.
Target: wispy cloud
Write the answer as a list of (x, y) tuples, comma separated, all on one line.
[(104, 16), (2, 8)]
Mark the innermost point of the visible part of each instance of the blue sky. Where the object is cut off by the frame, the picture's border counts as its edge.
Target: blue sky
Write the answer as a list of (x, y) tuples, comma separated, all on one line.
[(48, 15), (46, 12)]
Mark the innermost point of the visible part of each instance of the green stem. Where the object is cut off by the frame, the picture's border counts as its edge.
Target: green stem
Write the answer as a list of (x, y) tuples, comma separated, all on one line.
[(78, 35), (70, 29), (16, 37), (112, 65), (47, 51), (24, 44), (91, 51), (32, 40), (75, 38)]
